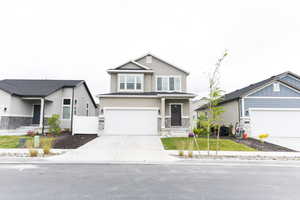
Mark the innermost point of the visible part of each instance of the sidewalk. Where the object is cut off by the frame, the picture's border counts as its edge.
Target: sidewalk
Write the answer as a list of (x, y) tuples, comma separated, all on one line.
[(70, 156)]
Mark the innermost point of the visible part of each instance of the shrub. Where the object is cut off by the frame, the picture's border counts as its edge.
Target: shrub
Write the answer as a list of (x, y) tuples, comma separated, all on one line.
[(54, 124), (47, 144), (197, 131), (181, 153), (66, 130), (32, 152), (180, 146), (190, 148)]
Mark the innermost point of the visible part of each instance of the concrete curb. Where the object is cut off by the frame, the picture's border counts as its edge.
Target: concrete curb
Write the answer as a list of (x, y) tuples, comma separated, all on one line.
[(242, 153), (245, 163)]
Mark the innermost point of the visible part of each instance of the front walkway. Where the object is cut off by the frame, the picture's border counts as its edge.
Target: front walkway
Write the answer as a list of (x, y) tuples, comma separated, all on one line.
[(118, 149)]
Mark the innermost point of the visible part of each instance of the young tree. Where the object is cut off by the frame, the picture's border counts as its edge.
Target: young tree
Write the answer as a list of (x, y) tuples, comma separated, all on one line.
[(215, 96)]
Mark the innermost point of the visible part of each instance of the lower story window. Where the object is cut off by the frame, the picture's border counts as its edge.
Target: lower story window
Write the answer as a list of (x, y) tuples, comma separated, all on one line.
[(66, 109)]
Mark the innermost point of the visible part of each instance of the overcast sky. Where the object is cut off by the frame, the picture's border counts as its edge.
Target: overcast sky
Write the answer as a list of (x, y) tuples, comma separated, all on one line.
[(81, 39)]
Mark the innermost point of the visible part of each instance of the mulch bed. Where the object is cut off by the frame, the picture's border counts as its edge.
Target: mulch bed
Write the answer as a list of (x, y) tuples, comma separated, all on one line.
[(69, 141), (265, 146)]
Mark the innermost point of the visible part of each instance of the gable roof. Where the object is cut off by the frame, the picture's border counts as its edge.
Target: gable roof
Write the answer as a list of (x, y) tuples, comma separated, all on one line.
[(243, 91), (174, 66), (38, 87), (124, 68)]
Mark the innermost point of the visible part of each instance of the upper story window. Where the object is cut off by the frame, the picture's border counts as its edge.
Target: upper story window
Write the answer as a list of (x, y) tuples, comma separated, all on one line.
[(168, 83), (131, 82)]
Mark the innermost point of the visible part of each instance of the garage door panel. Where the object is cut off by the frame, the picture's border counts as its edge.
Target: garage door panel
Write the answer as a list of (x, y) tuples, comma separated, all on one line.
[(276, 123), (131, 122)]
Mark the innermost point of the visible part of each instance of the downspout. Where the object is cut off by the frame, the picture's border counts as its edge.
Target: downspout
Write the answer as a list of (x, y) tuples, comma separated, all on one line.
[(72, 111), (43, 125), (239, 109)]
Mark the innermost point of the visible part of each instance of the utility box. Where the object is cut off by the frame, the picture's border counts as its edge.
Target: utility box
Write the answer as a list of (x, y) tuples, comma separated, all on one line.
[(36, 141)]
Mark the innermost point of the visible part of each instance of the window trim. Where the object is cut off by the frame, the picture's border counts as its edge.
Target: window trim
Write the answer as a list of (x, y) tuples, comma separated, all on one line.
[(70, 106), (165, 76), (135, 81)]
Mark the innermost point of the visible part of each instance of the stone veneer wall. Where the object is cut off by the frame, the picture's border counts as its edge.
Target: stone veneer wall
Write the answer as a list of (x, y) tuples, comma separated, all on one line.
[(7, 122)]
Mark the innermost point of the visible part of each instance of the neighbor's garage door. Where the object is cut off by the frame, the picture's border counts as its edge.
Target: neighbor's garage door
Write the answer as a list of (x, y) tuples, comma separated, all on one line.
[(276, 123), (130, 121)]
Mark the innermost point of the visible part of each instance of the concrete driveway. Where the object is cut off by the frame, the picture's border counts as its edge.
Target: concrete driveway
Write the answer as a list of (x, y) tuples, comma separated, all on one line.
[(118, 149), (291, 143)]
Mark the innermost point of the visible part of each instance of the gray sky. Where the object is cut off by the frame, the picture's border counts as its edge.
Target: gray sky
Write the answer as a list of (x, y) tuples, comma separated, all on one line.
[(60, 39)]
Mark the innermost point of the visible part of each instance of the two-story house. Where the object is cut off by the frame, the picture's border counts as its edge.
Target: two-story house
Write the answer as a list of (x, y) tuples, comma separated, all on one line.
[(148, 96)]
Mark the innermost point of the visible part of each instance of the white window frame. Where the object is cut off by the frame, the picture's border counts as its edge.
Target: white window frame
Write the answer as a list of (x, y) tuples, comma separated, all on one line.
[(70, 106), (156, 85), (131, 90)]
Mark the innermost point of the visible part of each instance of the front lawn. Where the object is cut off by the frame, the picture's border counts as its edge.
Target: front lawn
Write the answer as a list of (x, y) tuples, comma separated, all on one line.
[(13, 141), (224, 144)]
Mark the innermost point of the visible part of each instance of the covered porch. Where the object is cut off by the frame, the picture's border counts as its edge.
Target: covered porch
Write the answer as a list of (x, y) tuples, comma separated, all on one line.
[(27, 113), (175, 115)]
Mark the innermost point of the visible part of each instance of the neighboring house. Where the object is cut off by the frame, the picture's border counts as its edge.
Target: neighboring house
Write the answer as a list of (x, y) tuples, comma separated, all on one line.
[(148, 96), (196, 103), (32, 102), (270, 106)]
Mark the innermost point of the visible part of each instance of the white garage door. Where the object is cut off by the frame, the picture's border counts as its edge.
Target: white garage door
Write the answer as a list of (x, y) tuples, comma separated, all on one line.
[(130, 121), (276, 123)]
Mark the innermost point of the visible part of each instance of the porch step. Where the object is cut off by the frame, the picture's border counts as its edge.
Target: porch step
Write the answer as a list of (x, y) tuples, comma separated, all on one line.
[(177, 132)]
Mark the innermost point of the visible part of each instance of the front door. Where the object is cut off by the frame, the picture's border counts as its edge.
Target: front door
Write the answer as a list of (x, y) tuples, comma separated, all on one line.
[(36, 114), (175, 114)]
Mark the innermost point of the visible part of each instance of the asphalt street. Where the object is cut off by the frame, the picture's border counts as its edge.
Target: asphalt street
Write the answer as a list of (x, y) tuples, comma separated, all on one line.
[(103, 181)]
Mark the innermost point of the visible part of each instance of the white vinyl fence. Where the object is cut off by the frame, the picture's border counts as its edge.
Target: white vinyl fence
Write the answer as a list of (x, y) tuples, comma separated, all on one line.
[(85, 125)]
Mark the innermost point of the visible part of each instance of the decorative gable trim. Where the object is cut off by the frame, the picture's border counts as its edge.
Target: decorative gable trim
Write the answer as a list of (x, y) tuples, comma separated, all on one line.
[(174, 66), (269, 84), (140, 66)]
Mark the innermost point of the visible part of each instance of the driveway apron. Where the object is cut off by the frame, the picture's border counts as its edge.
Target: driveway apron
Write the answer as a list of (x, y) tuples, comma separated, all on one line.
[(118, 149)]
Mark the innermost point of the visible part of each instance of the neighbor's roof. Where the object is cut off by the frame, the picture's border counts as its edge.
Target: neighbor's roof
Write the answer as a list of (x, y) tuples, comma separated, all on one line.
[(34, 88), (243, 91), (38, 87)]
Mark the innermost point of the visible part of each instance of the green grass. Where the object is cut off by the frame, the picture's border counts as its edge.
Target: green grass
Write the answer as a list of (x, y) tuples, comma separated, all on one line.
[(13, 141), (224, 144)]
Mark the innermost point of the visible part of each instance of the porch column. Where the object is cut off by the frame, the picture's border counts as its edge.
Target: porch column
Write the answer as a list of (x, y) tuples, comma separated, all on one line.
[(163, 112), (42, 112)]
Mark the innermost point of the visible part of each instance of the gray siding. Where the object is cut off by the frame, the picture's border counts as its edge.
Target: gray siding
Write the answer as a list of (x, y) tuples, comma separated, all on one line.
[(162, 68), (270, 103), (129, 102), (230, 116), (113, 82), (83, 98), (292, 80), (5, 102), (268, 92)]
